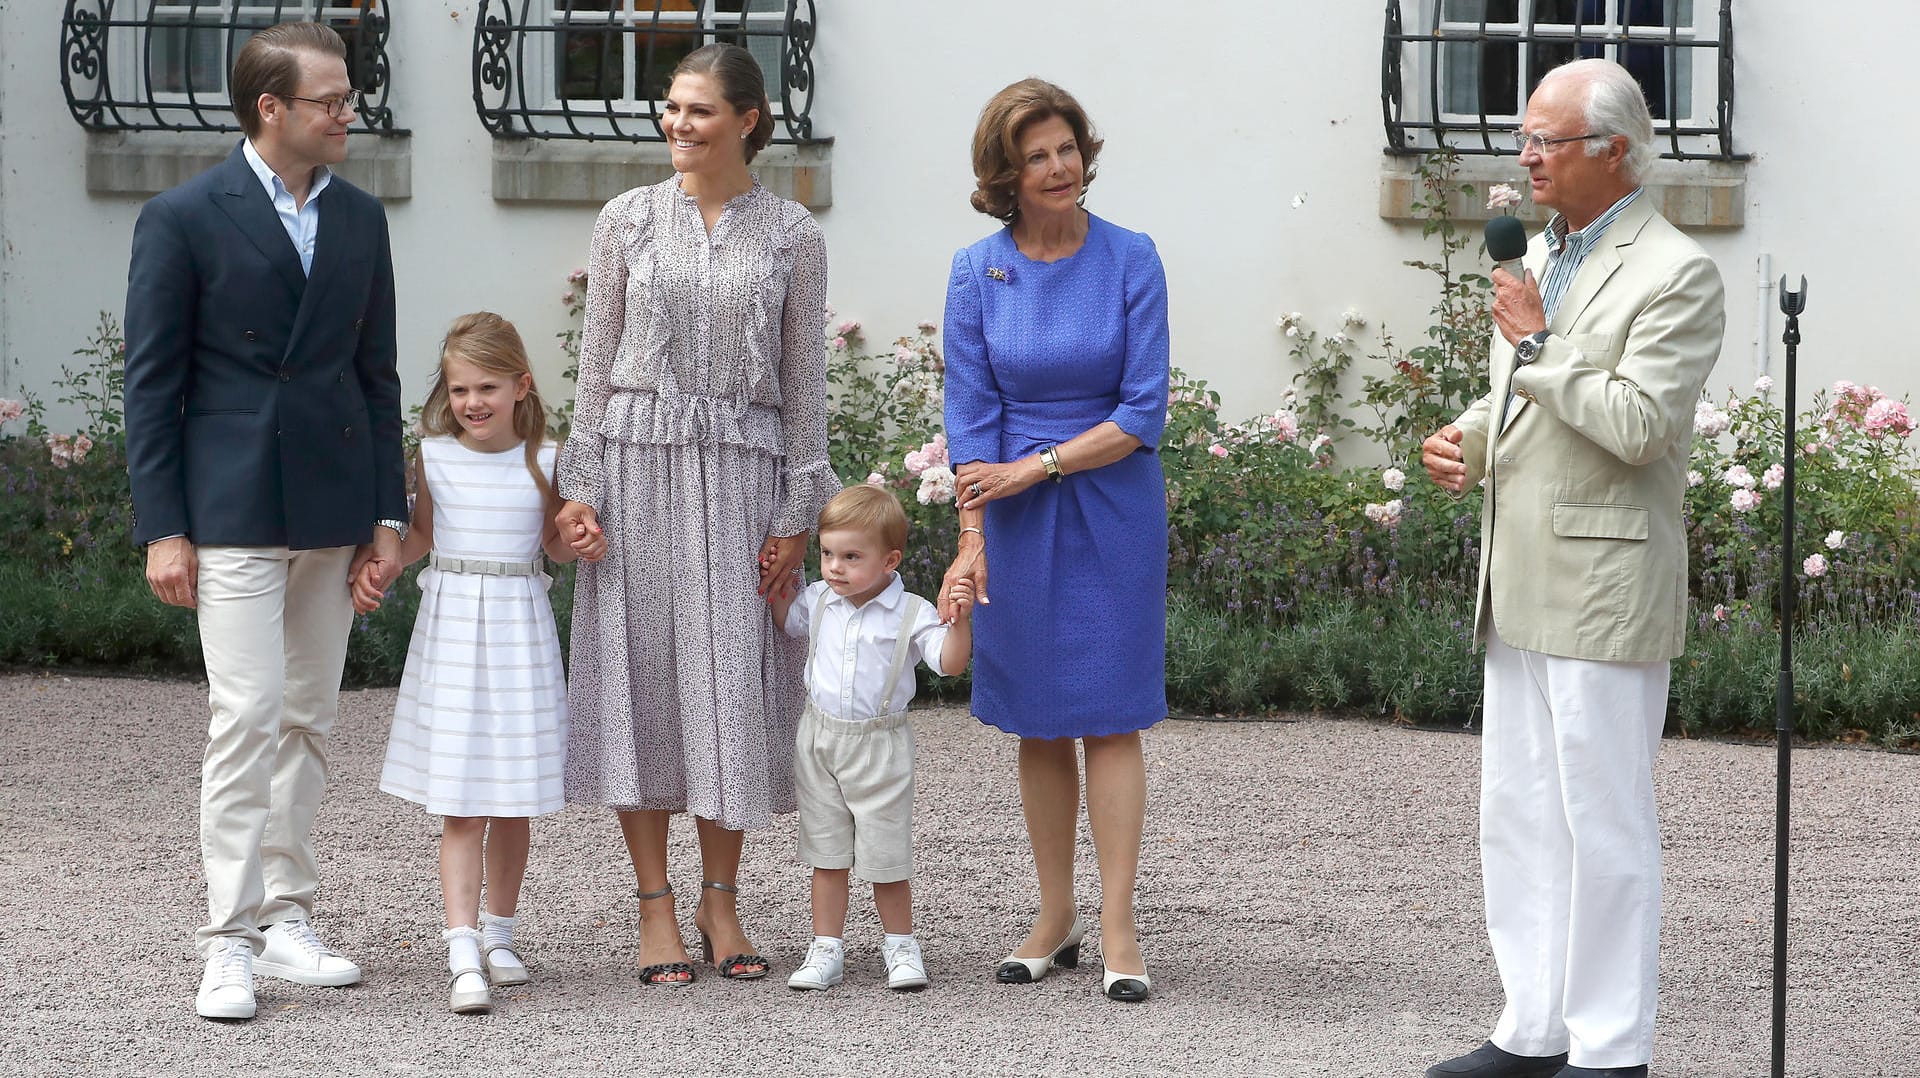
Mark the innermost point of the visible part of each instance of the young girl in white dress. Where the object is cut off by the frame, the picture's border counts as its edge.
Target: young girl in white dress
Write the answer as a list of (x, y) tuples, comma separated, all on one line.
[(479, 730)]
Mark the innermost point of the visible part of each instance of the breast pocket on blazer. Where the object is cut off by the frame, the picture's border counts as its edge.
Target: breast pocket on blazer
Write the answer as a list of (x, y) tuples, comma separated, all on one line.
[(1573, 520)]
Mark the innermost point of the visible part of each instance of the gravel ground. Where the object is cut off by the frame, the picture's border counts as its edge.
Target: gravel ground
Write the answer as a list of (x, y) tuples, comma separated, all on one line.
[(1309, 905)]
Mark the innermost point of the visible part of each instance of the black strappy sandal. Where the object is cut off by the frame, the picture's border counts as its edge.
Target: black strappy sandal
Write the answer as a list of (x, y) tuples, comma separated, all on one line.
[(734, 967), (661, 974)]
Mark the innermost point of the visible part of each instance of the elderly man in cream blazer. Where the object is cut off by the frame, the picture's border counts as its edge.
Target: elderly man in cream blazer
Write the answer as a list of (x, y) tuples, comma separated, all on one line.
[(1602, 353)]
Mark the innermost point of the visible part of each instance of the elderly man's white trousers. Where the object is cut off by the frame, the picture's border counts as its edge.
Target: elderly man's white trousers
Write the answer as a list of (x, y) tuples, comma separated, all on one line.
[(1570, 849), (273, 627)]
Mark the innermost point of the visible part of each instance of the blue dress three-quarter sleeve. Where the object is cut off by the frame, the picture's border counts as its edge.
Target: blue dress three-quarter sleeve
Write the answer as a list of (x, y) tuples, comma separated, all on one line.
[(1073, 643)]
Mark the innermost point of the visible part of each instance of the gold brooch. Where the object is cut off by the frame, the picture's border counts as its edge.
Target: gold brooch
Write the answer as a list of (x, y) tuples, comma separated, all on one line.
[(998, 274)]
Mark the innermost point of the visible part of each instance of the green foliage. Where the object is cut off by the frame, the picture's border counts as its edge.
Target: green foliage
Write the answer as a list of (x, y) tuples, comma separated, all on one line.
[(1857, 504), (560, 406), (1419, 389), (1398, 658), (884, 427)]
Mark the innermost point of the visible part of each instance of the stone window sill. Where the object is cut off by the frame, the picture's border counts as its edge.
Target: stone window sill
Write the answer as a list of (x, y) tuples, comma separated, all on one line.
[(567, 170), (149, 162), (1691, 194)]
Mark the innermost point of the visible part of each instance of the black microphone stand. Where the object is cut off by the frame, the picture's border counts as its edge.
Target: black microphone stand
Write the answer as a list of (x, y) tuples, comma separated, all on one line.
[(1791, 304)]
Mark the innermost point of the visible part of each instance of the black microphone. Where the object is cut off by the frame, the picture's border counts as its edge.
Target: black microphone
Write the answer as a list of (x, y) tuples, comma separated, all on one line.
[(1507, 244)]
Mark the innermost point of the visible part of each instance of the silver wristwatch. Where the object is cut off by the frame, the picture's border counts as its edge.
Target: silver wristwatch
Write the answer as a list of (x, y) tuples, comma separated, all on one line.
[(1527, 349), (399, 527)]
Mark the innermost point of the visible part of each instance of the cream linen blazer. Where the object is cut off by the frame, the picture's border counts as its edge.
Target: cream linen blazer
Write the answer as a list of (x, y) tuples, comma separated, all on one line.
[(1582, 552)]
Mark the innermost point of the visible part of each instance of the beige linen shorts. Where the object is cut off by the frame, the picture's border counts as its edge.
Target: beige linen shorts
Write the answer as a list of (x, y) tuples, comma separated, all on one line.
[(854, 783)]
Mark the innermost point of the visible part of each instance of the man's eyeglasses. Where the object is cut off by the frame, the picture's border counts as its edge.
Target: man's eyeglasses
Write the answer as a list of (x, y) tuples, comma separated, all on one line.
[(347, 104), (1523, 141)]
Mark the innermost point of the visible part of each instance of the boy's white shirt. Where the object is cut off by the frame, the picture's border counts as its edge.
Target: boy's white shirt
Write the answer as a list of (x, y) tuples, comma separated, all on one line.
[(851, 658)]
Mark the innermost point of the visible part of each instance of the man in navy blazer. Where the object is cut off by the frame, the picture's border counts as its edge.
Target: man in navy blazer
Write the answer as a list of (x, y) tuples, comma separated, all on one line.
[(263, 449)]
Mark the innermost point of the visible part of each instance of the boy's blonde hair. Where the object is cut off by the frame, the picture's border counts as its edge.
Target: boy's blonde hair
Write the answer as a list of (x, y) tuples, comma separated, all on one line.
[(870, 510)]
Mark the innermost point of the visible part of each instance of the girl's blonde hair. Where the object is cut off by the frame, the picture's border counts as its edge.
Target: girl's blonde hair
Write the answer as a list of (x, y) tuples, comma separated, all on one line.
[(490, 343)]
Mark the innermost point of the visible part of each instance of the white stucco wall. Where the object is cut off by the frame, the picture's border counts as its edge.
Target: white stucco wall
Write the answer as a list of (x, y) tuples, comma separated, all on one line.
[(1216, 115)]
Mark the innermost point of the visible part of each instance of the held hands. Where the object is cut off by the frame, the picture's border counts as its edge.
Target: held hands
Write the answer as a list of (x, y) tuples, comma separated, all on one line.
[(1446, 464), (1517, 308), (580, 526), (960, 597), (976, 483), (367, 592), (173, 571), (968, 573), (375, 565), (780, 556)]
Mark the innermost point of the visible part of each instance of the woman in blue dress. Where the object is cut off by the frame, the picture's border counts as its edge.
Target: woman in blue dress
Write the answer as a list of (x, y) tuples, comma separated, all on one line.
[(1057, 354)]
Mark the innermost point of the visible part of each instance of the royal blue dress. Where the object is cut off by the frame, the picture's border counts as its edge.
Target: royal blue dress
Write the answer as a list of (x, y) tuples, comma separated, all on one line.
[(1074, 641)]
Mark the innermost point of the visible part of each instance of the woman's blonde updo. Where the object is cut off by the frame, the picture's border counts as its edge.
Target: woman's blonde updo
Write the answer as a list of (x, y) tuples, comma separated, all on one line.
[(996, 142)]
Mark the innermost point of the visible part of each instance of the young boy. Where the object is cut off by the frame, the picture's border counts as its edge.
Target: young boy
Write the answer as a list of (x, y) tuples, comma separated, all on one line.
[(853, 759)]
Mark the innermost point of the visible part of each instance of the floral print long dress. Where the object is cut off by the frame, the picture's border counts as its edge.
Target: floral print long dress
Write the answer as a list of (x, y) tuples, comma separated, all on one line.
[(700, 428)]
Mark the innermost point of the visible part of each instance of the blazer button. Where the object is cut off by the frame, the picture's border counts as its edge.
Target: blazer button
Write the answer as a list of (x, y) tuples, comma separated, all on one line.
[(359, 324), (285, 377), (252, 336), (348, 433)]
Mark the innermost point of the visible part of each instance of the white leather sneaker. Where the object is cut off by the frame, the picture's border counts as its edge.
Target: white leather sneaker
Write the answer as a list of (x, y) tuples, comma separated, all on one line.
[(226, 986), (825, 965), (294, 953), (906, 969)]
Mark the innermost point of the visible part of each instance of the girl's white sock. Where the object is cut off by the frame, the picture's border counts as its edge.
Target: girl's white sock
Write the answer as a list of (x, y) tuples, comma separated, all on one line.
[(496, 931), (463, 949), (893, 937)]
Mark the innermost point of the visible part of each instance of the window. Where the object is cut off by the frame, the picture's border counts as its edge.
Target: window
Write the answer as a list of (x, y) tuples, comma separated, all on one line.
[(1463, 82), (598, 69), (164, 64)]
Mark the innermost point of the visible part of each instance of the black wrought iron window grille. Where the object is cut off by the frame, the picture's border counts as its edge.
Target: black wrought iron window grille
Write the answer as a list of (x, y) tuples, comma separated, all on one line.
[(599, 69), (163, 65), (1459, 75)]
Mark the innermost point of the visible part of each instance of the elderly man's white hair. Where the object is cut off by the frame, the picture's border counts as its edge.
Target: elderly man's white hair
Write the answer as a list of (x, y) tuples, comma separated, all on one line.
[(1615, 106)]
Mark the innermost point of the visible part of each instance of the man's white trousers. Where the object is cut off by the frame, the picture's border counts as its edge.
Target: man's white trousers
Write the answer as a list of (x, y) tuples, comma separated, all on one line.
[(273, 627), (1570, 850)]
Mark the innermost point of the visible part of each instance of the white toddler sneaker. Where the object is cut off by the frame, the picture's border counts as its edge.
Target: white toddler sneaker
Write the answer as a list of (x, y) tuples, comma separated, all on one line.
[(294, 953), (906, 969), (226, 987), (825, 965)]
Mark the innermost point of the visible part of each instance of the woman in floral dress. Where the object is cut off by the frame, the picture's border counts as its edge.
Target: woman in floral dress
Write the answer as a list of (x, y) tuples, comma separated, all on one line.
[(700, 446)]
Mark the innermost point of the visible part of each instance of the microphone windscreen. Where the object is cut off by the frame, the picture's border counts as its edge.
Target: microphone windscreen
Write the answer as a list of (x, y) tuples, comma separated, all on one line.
[(1506, 239)]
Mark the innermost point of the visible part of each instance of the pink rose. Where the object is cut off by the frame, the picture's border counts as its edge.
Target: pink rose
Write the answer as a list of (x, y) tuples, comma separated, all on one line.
[(1217, 449)]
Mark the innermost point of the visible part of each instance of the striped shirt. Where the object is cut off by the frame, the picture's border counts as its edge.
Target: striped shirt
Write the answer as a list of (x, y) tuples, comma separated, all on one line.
[(1566, 251)]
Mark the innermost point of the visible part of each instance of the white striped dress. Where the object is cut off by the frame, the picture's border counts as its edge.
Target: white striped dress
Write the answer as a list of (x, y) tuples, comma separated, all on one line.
[(480, 727)]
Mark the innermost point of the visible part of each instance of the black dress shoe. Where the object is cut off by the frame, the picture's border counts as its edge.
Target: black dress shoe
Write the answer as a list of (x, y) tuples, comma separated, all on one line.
[(1603, 1072), (1488, 1061)]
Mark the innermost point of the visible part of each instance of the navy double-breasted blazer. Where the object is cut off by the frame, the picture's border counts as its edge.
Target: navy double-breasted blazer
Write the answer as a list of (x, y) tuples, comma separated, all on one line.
[(263, 404)]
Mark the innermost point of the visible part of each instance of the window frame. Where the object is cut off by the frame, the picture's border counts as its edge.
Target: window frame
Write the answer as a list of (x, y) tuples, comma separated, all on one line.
[(108, 60), (518, 67), (1414, 75)]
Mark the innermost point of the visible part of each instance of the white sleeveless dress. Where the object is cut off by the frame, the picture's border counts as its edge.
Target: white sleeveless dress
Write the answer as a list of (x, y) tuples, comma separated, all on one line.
[(480, 728)]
